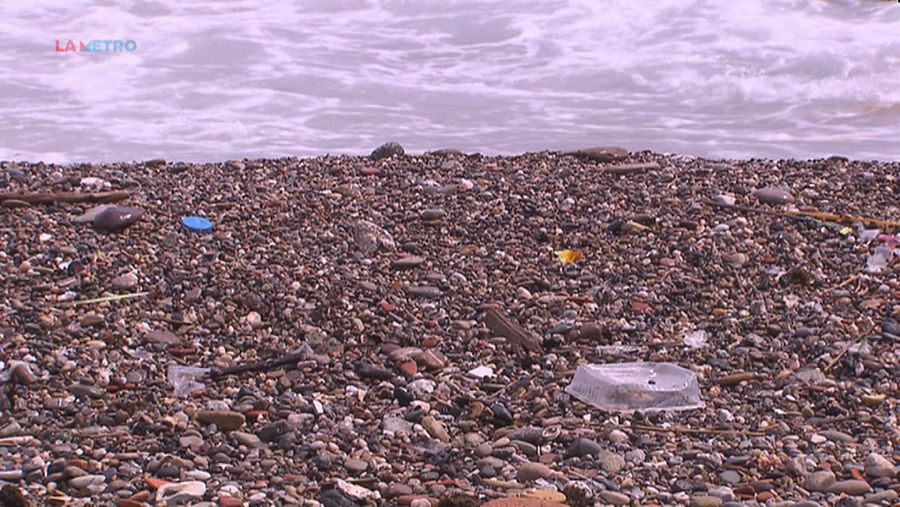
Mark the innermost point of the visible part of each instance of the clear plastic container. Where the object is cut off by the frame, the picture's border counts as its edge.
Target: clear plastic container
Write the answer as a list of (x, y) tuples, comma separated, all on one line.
[(878, 261), (642, 386), (184, 379)]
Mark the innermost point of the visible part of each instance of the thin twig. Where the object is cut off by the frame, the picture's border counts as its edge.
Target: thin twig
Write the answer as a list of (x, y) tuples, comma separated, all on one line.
[(809, 215), (840, 355), (104, 299), (846, 348), (845, 219), (845, 282), (258, 366), (496, 395)]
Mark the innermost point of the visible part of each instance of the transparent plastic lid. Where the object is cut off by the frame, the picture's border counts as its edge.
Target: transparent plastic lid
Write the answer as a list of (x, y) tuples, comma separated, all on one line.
[(642, 386)]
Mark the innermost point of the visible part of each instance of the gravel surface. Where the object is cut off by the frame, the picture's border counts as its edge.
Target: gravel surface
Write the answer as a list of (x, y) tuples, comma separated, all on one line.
[(399, 330)]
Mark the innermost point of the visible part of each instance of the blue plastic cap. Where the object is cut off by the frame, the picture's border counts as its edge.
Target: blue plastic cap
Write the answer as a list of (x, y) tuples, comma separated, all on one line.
[(197, 224)]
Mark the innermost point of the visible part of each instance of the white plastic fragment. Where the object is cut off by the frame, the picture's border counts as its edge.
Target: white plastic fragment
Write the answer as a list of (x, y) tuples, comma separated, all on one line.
[(481, 372), (94, 182), (696, 339)]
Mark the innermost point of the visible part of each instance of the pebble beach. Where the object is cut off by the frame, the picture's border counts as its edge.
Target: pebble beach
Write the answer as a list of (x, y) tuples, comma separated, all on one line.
[(400, 329)]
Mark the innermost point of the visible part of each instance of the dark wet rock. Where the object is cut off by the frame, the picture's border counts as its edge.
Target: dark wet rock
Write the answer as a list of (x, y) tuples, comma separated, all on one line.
[(530, 434), (368, 371), (387, 150), (444, 152), (407, 262), (502, 416), (116, 218), (432, 214), (424, 292), (583, 447), (273, 430)]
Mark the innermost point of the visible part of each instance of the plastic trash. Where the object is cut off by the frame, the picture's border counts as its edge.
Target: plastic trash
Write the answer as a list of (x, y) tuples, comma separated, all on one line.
[(184, 378), (481, 372), (641, 386), (567, 324), (890, 239), (879, 259), (196, 224), (569, 256), (612, 350), (94, 182), (866, 235), (696, 339)]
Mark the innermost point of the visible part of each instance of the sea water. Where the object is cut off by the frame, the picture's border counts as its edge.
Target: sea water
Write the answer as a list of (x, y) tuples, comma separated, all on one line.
[(206, 80)]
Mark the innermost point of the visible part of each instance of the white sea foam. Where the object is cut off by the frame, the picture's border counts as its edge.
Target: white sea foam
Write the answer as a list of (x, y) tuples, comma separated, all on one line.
[(249, 78)]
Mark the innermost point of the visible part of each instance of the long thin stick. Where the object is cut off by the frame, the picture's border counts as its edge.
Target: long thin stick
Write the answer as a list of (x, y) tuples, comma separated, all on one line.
[(71, 197), (845, 219), (104, 299), (844, 283), (841, 354), (258, 366), (805, 215)]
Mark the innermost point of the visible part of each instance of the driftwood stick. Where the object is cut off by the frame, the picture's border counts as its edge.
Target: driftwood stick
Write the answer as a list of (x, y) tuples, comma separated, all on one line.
[(70, 197), (846, 219), (806, 215), (117, 297), (258, 366), (501, 325)]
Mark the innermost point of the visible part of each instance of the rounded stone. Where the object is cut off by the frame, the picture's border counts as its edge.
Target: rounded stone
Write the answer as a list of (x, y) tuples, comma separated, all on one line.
[(773, 195), (819, 481), (618, 437), (705, 501), (530, 471), (225, 419), (116, 218), (615, 498), (850, 487), (583, 447)]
